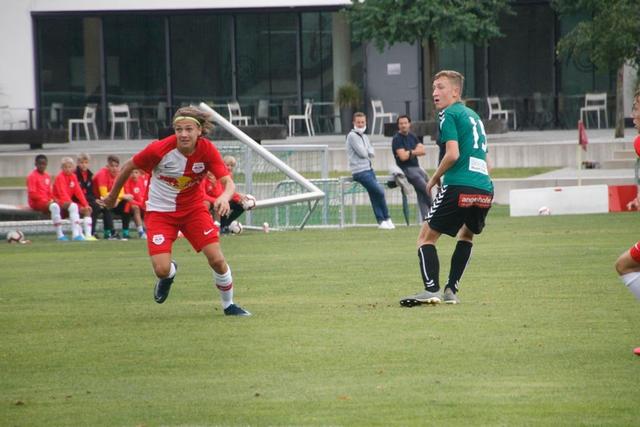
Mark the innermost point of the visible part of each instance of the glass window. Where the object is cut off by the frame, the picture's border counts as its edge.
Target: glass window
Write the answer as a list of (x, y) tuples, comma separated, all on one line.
[(460, 57), (317, 60), (135, 59), (266, 60), (201, 59), (68, 52)]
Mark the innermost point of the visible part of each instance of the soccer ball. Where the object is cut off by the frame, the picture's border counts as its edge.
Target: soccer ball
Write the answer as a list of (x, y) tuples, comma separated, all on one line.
[(544, 211), (15, 236), (248, 202), (235, 227)]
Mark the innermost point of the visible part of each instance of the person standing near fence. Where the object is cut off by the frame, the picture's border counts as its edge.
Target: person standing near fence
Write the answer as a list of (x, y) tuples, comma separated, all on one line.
[(406, 150), (359, 153), (175, 201), (465, 195)]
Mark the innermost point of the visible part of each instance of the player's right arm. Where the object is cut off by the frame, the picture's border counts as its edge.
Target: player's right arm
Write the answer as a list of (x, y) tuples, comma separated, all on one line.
[(451, 156), (110, 200)]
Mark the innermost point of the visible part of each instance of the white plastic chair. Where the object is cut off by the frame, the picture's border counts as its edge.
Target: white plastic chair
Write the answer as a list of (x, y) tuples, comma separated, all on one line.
[(308, 107), (378, 113), (88, 121), (235, 114), (594, 102), (120, 114), (495, 109)]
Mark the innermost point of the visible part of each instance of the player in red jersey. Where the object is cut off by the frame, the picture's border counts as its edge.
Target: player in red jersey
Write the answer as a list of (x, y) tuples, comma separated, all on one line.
[(103, 181), (135, 192), (40, 194), (66, 189), (628, 264), (239, 203), (175, 202)]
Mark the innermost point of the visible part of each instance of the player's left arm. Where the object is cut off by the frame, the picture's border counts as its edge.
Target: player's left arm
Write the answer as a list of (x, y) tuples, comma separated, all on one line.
[(450, 158)]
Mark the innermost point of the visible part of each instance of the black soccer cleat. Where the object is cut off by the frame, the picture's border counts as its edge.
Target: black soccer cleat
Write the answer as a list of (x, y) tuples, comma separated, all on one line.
[(163, 286), (236, 310)]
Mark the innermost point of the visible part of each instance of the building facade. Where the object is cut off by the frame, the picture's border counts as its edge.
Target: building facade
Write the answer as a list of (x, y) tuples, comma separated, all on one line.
[(161, 54)]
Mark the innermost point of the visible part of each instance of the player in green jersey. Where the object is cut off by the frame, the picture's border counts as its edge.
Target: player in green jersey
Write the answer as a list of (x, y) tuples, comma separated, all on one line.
[(465, 191)]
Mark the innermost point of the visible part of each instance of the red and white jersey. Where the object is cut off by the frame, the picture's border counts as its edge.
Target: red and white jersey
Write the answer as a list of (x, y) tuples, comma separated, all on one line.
[(138, 189), (66, 188), (175, 179), (39, 188)]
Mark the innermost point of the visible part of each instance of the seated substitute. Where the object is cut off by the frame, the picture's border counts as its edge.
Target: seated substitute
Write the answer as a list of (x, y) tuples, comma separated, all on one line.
[(239, 202), (68, 195), (40, 194), (135, 193), (85, 179), (103, 182)]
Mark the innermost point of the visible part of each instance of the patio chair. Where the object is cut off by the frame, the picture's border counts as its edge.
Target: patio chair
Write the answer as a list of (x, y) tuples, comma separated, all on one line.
[(495, 109), (378, 113), (235, 114), (594, 102), (120, 114), (88, 121), (306, 117)]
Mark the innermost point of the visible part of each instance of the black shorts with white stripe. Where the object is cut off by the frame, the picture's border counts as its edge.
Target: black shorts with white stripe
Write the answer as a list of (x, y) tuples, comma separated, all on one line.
[(458, 205)]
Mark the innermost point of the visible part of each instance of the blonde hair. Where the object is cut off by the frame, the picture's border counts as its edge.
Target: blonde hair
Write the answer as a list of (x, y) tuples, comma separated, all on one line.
[(358, 114), (456, 78), (230, 161), (197, 114), (66, 161)]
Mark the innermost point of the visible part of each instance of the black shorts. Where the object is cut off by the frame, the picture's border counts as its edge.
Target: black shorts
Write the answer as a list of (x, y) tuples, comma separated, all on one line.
[(456, 205)]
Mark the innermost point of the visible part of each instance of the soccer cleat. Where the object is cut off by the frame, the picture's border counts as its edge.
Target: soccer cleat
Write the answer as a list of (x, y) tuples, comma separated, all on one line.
[(114, 236), (142, 235), (424, 297), (63, 239), (79, 238), (236, 310), (636, 351), (90, 238), (450, 297), (163, 286)]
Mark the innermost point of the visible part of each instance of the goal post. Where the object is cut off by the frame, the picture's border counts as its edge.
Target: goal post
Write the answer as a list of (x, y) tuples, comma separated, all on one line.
[(313, 193)]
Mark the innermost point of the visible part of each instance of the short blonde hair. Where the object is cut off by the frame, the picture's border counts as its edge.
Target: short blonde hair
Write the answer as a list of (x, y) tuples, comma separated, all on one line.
[(83, 156), (230, 161), (65, 161), (456, 78)]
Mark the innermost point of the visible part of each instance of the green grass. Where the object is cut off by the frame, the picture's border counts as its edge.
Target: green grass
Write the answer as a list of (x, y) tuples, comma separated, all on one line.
[(543, 335), (19, 181)]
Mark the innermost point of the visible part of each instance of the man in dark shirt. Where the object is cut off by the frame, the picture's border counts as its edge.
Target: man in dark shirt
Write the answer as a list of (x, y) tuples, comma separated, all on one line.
[(406, 150)]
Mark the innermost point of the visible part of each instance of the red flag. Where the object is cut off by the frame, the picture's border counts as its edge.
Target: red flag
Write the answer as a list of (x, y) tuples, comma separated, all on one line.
[(582, 136)]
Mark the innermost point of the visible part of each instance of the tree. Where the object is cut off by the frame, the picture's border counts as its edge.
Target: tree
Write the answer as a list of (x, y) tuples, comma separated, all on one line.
[(427, 22), (610, 39)]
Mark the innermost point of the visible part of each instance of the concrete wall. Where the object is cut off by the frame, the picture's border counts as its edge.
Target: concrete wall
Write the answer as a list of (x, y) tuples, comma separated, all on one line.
[(17, 75)]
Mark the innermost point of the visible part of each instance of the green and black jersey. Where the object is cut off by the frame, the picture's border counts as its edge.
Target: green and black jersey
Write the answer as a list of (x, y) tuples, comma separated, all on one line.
[(462, 124)]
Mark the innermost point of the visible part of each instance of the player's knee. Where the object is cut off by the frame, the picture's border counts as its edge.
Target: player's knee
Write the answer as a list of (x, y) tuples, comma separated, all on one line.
[(162, 270), (218, 264), (621, 265)]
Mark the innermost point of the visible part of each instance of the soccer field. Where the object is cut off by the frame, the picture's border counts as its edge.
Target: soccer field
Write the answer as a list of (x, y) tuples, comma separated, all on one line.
[(544, 334)]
